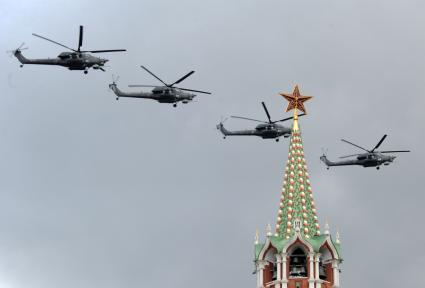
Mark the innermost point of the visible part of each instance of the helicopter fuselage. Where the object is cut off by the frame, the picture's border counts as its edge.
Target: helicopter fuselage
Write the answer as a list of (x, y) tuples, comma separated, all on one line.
[(265, 131), (160, 94), (365, 160), (71, 60)]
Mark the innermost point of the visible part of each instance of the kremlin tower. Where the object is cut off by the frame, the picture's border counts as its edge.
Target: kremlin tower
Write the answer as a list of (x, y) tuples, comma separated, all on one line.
[(297, 255)]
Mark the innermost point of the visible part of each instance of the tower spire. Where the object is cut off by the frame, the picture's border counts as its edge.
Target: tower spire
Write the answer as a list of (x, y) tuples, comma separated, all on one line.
[(297, 212)]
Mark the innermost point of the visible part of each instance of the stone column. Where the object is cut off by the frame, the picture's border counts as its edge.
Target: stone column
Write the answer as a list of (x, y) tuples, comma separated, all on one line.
[(260, 273), (284, 278), (316, 269), (311, 270), (279, 270), (335, 269)]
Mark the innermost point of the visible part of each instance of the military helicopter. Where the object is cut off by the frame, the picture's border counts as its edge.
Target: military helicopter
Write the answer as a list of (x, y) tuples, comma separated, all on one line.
[(75, 60), (163, 94), (372, 158), (266, 130)]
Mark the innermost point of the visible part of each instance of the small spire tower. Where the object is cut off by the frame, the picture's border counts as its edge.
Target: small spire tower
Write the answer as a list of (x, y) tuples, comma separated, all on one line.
[(297, 255)]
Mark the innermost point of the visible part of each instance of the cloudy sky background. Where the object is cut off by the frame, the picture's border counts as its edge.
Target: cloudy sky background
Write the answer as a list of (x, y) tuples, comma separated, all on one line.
[(100, 193)]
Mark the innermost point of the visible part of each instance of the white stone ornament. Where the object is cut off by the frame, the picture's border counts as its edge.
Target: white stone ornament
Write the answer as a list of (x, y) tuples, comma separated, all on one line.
[(269, 230), (338, 240), (327, 228)]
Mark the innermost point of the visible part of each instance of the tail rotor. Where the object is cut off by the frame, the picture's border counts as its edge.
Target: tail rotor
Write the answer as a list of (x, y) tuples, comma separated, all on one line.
[(19, 49), (322, 159), (114, 84)]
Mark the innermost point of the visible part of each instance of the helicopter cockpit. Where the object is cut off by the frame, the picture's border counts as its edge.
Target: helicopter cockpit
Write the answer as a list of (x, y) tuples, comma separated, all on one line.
[(264, 127), (65, 55)]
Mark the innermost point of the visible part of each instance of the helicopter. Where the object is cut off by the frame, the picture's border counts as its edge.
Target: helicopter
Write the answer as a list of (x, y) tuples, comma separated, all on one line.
[(75, 60), (266, 130), (372, 158), (163, 94)]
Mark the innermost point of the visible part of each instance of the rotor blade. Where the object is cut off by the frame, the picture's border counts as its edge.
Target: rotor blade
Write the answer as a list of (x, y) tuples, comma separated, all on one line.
[(244, 118), (57, 43), (379, 143), (103, 51), (191, 90), (354, 145), (142, 86), (267, 111), (184, 77), (289, 118), (397, 151), (342, 157), (146, 69), (80, 40)]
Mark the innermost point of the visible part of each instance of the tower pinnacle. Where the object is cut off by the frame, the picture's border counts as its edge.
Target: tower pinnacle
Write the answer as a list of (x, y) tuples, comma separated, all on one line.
[(296, 102)]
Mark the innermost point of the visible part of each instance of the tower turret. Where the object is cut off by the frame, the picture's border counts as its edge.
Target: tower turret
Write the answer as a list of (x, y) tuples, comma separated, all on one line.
[(297, 255)]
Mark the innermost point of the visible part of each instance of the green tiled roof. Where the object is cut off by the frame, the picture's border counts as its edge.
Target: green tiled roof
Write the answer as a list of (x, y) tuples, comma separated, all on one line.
[(279, 243), (258, 248)]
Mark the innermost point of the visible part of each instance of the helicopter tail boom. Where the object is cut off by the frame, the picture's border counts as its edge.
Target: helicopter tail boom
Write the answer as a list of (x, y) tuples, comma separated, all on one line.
[(113, 86), (24, 60)]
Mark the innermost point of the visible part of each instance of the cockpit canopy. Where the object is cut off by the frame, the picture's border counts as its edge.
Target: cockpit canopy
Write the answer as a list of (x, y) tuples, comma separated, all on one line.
[(70, 55), (366, 156), (264, 127), (162, 90), (267, 126)]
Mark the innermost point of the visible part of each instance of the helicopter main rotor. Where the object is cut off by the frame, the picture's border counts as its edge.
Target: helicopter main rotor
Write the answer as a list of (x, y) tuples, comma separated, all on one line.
[(373, 150), (170, 85), (268, 116), (80, 43)]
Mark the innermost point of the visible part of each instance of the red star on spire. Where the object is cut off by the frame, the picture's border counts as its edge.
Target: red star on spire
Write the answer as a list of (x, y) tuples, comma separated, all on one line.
[(296, 100)]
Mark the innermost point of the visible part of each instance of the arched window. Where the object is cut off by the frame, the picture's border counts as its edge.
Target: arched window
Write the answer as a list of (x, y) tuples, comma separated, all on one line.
[(298, 263), (325, 263), (271, 268)]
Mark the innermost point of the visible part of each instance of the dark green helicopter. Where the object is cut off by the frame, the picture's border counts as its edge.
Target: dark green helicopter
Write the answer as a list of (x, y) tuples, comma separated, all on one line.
[(75, 60), (372, 158), (265, 130)]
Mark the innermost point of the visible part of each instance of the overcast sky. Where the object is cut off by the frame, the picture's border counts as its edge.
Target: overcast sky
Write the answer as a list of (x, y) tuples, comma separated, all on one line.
[(96, 193)]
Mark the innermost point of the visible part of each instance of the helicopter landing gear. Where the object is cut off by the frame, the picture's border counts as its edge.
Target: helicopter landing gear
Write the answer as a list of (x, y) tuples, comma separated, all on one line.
[(277, 139), (175, 105), (327, 168), (224, 137), (22, 65), (118, 98), (377, 168), (85, 71)]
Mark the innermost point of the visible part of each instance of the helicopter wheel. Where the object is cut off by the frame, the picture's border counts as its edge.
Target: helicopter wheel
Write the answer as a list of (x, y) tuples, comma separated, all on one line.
[(327, 168), (117, 98), (224, 137), (85, 71), (377, 168), (175, 105), (22, 65), (277, 139)]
